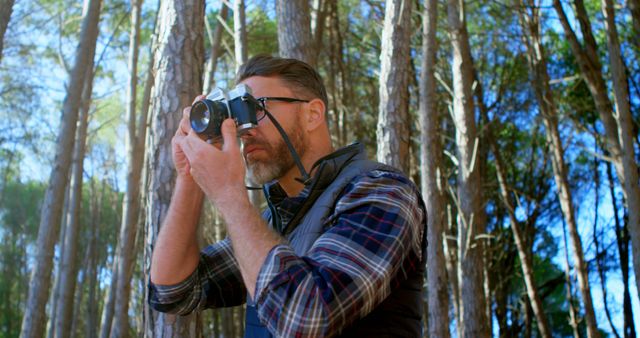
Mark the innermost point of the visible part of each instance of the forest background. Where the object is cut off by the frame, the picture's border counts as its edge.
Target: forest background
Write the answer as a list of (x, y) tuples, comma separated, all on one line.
[(517, 118)]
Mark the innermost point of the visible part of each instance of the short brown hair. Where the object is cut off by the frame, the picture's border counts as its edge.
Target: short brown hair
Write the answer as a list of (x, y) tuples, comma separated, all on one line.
[(298, 74)]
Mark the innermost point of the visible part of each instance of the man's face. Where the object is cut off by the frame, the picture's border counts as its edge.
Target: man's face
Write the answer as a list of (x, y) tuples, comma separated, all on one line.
[(265, 152)]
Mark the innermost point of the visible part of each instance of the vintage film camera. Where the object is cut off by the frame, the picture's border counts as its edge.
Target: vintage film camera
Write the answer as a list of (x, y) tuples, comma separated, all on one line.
[(208, 114)]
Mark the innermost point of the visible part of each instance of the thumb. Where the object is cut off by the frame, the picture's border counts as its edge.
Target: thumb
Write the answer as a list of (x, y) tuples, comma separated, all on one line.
[(229, 135)]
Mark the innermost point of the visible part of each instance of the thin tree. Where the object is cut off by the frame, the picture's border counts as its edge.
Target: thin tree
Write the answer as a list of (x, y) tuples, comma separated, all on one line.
[(471, 218), (216, 40), (131, 204), (294, 30), (431, 177), (178, 79), (6, 8), (393, 110), (536, 56), (34, 317), (68, 263), (239, 32), (618, 136), (622, 239)]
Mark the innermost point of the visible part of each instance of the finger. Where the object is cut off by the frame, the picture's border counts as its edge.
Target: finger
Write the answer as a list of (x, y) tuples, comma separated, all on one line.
[(188, 146), (229, 135), (198, 98)]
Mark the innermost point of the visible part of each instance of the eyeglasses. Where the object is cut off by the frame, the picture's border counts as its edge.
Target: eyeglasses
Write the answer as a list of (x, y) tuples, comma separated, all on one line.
[(260, 114)]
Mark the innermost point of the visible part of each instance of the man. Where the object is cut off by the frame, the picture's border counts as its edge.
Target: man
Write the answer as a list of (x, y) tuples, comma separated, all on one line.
[(341, 253)]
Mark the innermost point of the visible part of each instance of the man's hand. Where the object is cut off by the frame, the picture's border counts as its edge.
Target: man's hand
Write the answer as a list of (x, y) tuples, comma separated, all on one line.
[(218, 172), (179, 159)]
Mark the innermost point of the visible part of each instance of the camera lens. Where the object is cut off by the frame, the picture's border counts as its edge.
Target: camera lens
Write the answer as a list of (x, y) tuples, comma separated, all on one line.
[(206, 117)]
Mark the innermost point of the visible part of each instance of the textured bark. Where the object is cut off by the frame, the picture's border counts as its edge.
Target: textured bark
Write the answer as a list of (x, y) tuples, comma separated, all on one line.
[(471, 218), (392, 131), (131, 202), (294, 30), (178, 79), (618, 127), (239, 33), (216, 40), (34, 317), (431, 178), (6, 7), (68, 261)]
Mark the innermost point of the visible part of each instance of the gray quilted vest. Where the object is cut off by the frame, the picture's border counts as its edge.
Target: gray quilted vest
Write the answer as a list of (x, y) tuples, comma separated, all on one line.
[(400, 314)]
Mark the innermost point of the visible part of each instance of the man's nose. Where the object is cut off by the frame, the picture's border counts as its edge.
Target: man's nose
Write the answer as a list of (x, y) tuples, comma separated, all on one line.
[(249, 133)]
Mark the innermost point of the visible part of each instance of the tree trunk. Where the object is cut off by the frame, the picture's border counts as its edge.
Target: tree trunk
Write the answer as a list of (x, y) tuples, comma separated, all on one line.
[(622, 239), (431, 178), (216, 41), (625, 125), (109, 300), (91, 321), (239, 33), (546, 103), (68, 261), (34, 317), (523, 253), (294, 30), (178, 79), (471, 218), (6, 7), (618, 127), (392, 131), (573, 316), (131, 202)]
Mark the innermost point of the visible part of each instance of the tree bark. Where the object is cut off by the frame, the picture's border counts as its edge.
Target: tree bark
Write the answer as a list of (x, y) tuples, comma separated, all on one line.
[(471, 218), (239, 33), (34, 317), (131, 202), (178, 79), (6, 7), (618, 127), (68, 261), (294, 30), (431, 178), (392, 130), (216, 41)]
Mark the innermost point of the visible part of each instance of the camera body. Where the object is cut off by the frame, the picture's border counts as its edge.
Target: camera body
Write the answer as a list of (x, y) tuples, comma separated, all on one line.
[(207, 115)]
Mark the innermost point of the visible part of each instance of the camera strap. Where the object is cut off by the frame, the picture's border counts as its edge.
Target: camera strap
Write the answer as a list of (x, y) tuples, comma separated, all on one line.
[(305, 179)]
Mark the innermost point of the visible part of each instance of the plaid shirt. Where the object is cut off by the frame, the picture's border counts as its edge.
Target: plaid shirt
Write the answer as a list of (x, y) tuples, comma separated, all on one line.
[(373, 242)]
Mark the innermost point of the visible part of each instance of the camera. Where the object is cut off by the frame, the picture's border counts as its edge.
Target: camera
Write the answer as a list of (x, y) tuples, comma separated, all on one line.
[(208, 114)]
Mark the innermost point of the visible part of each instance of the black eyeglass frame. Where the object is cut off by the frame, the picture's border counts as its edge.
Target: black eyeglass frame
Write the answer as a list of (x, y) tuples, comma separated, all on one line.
[(263, 103)]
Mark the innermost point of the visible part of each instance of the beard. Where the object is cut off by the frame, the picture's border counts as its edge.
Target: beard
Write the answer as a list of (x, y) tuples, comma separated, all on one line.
[(278, 160)]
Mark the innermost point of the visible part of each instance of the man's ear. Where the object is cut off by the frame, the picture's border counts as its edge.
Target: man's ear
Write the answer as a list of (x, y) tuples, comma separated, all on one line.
[(316, 115)]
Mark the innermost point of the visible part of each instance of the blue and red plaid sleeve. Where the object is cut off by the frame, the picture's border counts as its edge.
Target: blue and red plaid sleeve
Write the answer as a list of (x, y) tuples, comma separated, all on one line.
[(216, 282), (374, 237)]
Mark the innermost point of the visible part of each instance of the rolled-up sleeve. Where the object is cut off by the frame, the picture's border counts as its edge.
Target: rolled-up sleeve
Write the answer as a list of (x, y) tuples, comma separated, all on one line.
[(374, 238), (216, 282)]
